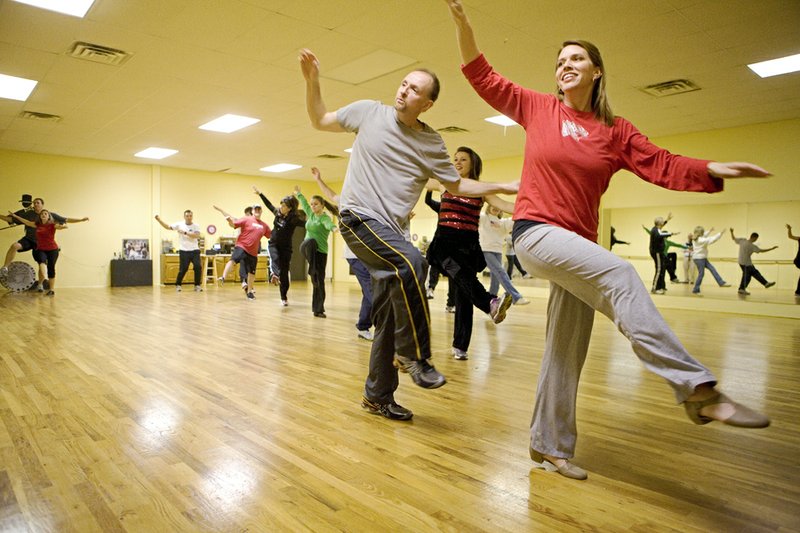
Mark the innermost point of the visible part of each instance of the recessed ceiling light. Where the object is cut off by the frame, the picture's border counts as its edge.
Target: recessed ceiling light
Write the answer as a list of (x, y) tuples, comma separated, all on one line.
[(280, 167), (229, 123), (15, 88), (348, 150), (501, 120), (75, 8), (155, 153), (776, 67)]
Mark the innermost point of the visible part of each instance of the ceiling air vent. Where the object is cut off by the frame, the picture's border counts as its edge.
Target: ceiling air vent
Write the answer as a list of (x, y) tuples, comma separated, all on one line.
[(98, 53), (33, 115), (668, 88), (452, 129), (330, 156)]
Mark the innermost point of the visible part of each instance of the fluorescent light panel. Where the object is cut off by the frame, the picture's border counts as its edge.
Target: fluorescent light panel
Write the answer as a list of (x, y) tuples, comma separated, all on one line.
[(75, 8), (280, 167), (501, 120), (348, 150), (776, 67), (15, 88), (229, 123), (155, 153)]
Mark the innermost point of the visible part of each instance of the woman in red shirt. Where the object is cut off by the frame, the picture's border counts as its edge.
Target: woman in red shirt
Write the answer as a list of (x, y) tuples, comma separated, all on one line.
[(574, 145), (46, 252)]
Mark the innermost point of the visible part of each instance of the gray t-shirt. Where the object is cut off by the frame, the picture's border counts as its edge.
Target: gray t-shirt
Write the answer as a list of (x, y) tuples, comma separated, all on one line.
[(746, 250), (390, 163)]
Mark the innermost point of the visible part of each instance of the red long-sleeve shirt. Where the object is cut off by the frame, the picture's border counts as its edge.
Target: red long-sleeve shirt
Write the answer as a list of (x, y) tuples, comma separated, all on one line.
[(570, 156)]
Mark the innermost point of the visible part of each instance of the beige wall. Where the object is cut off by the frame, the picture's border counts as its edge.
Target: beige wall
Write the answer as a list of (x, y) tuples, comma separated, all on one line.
[(121, 199)]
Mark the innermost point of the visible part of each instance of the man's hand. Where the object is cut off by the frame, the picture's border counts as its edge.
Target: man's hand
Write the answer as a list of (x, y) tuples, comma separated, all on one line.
[(309, 65)]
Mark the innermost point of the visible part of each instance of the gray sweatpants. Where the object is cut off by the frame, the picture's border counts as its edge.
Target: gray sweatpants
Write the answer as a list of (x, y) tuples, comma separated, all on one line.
[(585, 277)]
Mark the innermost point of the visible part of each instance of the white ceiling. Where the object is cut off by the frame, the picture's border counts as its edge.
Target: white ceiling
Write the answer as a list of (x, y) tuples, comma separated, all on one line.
[(193, 60)]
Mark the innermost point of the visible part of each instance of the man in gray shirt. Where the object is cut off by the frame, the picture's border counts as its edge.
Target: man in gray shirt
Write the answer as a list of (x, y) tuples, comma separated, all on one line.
[(394, 156), (747, 247)]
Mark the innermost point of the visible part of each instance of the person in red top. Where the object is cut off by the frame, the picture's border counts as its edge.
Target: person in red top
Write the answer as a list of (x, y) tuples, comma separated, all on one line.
[(252, 229), (46, 253), (574, 144)]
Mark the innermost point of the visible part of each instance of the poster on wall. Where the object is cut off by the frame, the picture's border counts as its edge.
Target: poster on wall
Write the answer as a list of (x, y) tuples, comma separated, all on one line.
[(136, 248)]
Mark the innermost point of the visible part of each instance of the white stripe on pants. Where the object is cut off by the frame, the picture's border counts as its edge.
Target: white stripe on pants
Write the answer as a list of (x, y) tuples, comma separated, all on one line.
[(585, 277)]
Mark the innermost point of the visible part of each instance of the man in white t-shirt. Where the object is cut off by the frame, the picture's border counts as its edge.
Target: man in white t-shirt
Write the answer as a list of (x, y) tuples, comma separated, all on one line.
[(188, 248)]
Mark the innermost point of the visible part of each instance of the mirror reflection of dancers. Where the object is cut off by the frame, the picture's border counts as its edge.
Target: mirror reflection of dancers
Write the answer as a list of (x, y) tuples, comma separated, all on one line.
[(364, 324), (614, 239), (747, 247), (188, 249), (796, 257), (456, 251), (315, 246), (287, 219), (47, 250), (252, 229), (574, 145)]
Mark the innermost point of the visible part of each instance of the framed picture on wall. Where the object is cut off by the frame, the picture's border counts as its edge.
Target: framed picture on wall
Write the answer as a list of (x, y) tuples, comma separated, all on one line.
[(136, 248)]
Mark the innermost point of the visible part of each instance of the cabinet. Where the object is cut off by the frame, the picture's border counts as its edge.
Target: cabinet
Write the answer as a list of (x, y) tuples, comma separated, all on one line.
[(262, 268), (131, 273), (170, 266)]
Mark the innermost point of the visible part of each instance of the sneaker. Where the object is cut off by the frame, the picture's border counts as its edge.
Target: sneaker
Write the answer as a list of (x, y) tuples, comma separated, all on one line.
[(430, 294), (275, 280), (421, 372), (365, 334), (285, 303), (50, 293), (321, 315), (659, 291), (724, 284), (450, 309), (498, 308), (769, 284), (676, 280), (744, 292), (251, 295), (522, 301), (392, 411), (39, 287), (244, 287), (220, 281), (46, 284), (198, 288), (178, 288), (460, 355), (526, 276)]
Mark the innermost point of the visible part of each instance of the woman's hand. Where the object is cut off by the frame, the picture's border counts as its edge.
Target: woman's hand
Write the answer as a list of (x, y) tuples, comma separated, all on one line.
[(736, 170)]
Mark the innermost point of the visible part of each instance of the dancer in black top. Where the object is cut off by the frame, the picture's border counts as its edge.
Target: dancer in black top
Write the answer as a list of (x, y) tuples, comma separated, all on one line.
[(456, 251), (287, 218)]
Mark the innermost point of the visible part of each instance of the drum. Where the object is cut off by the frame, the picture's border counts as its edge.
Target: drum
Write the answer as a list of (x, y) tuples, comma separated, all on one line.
[(20, 277)]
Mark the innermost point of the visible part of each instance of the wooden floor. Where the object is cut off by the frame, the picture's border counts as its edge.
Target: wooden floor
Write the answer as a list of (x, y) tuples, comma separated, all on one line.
[(139, 409)]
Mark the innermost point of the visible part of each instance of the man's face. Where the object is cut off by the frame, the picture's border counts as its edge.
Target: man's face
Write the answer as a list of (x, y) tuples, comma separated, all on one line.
[(38, 205), (187, 217), (413, 95)]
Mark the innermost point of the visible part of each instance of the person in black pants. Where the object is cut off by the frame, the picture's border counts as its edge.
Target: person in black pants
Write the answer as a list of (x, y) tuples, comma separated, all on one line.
[(455, 250), (188, 249), (287, 218), (797, 257), (657, 237)]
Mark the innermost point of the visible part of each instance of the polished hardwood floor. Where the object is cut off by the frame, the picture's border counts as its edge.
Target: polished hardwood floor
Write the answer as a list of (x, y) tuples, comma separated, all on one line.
[(140, 409)]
